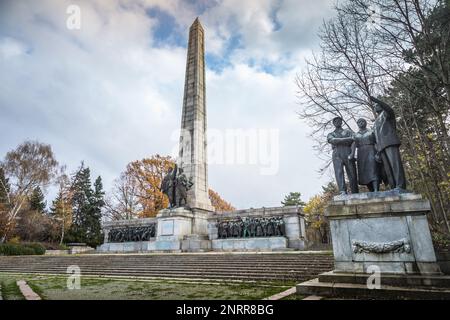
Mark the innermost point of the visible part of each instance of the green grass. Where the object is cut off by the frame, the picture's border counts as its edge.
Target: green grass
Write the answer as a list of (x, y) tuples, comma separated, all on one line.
[(100, 288), (10, 290)]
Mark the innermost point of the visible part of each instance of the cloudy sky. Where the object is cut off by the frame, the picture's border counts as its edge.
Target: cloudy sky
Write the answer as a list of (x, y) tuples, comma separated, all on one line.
[(111, 92)]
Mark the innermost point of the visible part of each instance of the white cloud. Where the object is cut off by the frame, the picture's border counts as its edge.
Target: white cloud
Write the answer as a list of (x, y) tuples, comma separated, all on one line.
[(108, 95), (11, 48)]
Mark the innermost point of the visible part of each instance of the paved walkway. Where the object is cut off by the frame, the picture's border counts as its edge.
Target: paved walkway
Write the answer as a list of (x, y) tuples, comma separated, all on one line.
[(27, 292), (283, 294), (313, 298)]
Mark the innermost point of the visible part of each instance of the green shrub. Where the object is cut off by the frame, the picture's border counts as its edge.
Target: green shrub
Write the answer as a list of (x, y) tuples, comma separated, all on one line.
[(11, 249), (38, 248)]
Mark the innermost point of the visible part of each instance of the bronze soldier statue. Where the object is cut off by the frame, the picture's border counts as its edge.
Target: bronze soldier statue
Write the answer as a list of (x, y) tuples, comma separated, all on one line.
[(387, 144), (175, 185), (168, 186), (341, 140), (182, 185), (364, 142)]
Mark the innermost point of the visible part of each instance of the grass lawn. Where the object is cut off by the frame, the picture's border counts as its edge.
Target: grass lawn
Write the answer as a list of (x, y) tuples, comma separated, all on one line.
[(100, 288)]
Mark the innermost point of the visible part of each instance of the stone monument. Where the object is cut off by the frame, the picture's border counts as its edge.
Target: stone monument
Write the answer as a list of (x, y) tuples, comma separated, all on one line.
[(184, 225), (189, 223), (385, 232), (193, 149)]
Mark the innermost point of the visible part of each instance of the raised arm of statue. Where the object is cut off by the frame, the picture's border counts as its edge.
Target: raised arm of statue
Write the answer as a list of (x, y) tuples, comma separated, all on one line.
[(384, 106)]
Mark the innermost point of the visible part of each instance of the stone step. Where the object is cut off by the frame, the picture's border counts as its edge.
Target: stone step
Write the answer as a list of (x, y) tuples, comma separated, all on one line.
[(205, 277), (289, 274), (353, 290), (253, 277), (224, 263), (84, 258), (400, 280), (163, 268), (297, 267), (131, 271)]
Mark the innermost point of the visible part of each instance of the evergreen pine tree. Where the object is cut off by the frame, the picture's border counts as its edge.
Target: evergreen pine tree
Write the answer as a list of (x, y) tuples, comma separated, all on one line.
[(293, 199), (37, 200), (87, 204), (81, 194), (93, 220)]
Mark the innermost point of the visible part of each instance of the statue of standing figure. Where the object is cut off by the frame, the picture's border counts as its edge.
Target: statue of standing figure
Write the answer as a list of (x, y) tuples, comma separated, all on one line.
[(341, 140), (378, 154), (182, 185), (175, 185), (364, 141), (388, 144), (168, 186)]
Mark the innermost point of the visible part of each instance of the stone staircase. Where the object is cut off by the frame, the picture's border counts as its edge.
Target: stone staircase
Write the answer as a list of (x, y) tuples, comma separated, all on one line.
[(392, 286), (294, 266)]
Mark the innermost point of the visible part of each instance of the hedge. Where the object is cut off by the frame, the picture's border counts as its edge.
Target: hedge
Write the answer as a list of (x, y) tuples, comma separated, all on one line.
[(9, 249)]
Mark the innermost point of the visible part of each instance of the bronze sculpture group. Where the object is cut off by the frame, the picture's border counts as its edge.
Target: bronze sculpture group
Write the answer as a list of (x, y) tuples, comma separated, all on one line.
[(127, 234), (250, 227), (175, 185), (378, 156)]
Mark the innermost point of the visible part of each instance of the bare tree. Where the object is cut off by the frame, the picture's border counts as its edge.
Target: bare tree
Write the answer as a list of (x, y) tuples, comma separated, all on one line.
[(339, 80), (30, 165), (62, 205), (123, 202)]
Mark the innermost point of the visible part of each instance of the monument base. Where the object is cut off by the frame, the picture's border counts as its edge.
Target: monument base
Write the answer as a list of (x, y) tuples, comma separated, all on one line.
[(383, 232), (380, 237), (250, 244), (183, 229), (196, 230)]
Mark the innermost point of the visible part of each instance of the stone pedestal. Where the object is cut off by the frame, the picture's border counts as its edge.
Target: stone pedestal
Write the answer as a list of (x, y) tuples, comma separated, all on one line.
[(183, 229), (250, 244), (385, 230)]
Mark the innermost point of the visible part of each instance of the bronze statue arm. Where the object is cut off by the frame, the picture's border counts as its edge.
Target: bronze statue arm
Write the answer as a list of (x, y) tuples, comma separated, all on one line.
[(340, 140), (384, 106), (351, 156)]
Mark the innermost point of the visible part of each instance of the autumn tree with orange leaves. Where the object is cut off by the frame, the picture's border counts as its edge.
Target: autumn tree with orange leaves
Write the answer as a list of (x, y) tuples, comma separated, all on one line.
[(218, 203), (137, 194)]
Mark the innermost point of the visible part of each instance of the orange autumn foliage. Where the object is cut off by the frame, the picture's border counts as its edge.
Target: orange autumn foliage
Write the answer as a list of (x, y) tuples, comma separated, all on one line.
[(218, 203), (148, 174)]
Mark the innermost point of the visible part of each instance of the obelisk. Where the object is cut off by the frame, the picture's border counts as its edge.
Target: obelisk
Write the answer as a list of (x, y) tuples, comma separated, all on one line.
[(193, 147)]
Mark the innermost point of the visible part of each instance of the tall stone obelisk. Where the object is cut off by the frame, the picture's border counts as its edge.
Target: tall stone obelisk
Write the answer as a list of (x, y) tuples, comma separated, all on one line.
[(193, 148)]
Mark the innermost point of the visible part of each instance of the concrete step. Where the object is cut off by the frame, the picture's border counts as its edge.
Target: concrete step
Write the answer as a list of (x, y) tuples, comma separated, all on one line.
[(162, 268), (184, 274), (237, 260), (211, 266), (353, 290), (418, 281), (134, 273)]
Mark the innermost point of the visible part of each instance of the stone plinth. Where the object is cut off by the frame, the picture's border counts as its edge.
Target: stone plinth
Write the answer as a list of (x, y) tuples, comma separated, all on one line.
[(174, 224), (387, 230), (183, 229), (250, 244)]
